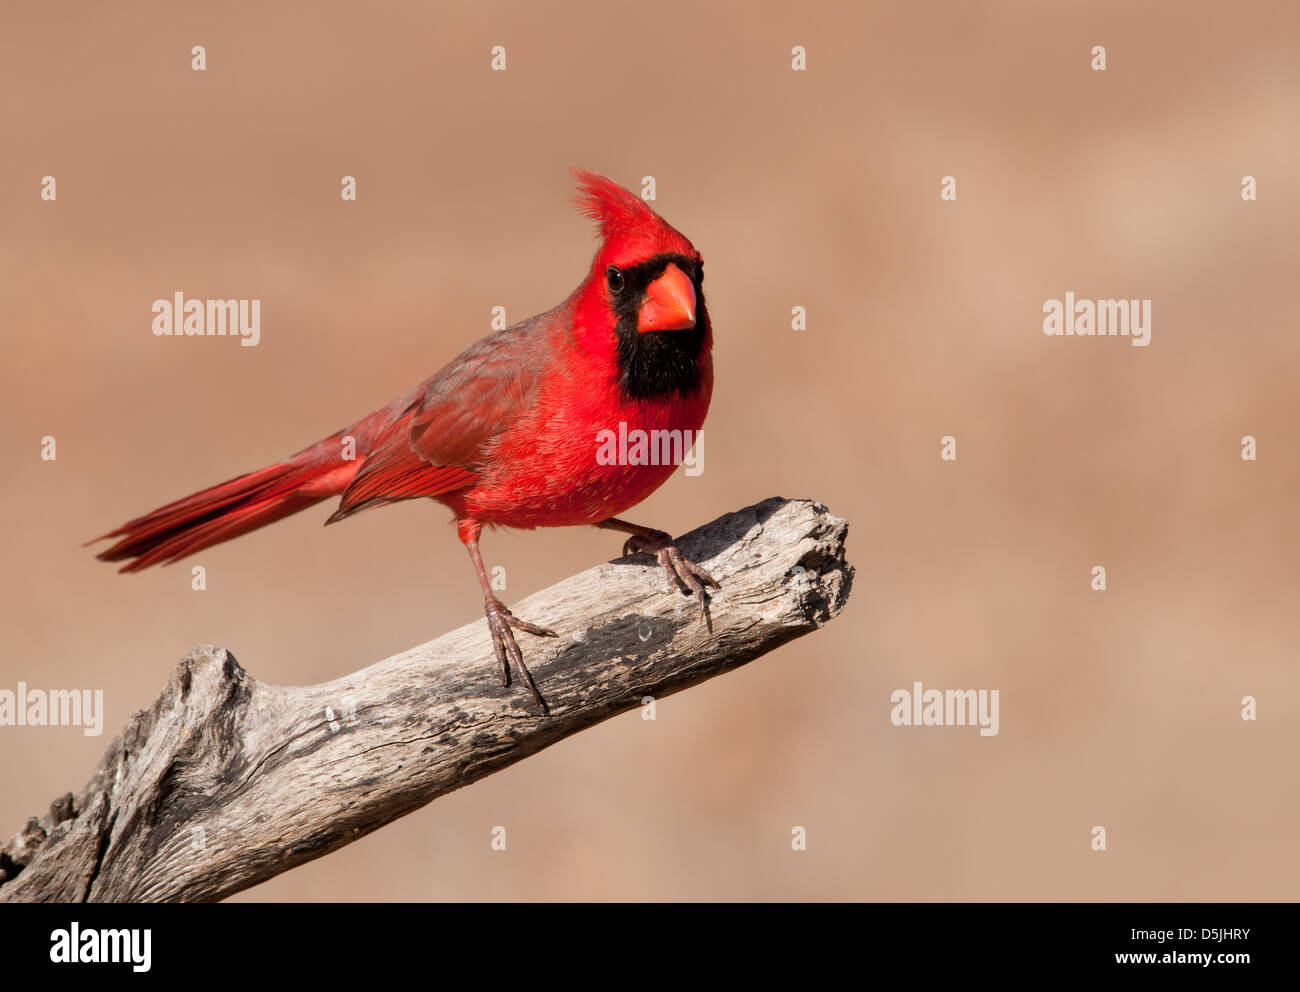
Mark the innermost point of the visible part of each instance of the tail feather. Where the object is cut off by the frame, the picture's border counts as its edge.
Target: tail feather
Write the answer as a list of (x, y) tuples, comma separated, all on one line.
[(230, 509)]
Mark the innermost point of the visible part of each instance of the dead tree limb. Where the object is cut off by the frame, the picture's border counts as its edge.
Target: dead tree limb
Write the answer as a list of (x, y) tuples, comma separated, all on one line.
[(226, 781)]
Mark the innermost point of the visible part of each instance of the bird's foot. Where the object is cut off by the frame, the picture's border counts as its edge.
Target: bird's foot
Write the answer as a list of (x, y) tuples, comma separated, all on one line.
[(500, 621), (676, 566)]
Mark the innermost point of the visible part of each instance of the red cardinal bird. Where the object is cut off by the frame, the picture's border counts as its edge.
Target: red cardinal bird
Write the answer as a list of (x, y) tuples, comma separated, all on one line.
[(507, 433)]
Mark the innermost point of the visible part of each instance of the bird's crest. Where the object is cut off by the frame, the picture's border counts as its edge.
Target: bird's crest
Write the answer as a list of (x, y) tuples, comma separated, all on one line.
[(615, 209), (622, 216)]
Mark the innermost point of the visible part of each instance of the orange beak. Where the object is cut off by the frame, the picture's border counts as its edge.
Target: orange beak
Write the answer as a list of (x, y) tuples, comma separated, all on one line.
[(669, 303)]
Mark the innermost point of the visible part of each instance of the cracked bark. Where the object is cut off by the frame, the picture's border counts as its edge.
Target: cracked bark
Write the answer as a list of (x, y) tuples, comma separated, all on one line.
[(226, 781)]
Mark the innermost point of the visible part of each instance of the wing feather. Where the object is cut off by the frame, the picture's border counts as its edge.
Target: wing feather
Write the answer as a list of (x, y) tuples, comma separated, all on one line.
[(439, 442)]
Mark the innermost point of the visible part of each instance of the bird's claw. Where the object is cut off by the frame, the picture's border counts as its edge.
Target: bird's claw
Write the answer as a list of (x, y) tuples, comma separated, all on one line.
[(676, 566), (500, 621)]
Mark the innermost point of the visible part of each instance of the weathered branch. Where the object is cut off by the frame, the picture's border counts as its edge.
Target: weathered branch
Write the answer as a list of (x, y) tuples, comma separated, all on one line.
[(226, 781)]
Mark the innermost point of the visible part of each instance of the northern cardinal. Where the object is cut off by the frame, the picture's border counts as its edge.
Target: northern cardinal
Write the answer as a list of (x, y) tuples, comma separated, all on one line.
[(506, 434)]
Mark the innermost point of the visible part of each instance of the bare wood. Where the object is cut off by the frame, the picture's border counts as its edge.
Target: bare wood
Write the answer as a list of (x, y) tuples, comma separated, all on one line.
[(227, 781)]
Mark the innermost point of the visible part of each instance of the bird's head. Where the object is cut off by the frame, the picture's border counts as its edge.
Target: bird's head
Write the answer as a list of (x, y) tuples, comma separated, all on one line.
[(643, 298)]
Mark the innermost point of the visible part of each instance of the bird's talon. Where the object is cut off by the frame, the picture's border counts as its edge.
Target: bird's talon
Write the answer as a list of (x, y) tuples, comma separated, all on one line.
[(500, 621), (681, 572)]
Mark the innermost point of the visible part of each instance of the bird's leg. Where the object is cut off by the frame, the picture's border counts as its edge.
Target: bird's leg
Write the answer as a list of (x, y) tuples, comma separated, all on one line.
[(677, 567), (500, 620)]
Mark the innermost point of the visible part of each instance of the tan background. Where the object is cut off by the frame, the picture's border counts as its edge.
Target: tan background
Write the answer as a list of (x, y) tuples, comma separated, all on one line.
[(817, 188)]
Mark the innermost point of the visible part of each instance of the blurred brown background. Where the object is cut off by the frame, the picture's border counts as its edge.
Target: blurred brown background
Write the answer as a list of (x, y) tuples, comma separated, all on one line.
[(818, 189)]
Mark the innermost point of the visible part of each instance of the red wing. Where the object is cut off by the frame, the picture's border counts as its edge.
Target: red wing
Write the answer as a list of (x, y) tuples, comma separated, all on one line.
[(478, 396), (438, 442)]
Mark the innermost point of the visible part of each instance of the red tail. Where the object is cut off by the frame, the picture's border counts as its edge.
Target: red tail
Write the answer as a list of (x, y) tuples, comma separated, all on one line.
[(232, 508)]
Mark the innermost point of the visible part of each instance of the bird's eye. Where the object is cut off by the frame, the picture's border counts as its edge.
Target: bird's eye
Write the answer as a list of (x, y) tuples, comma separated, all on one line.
[(615, 277), (699, 272)]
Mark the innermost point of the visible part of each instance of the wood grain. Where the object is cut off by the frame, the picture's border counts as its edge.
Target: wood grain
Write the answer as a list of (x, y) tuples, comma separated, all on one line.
[(226, 781)]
